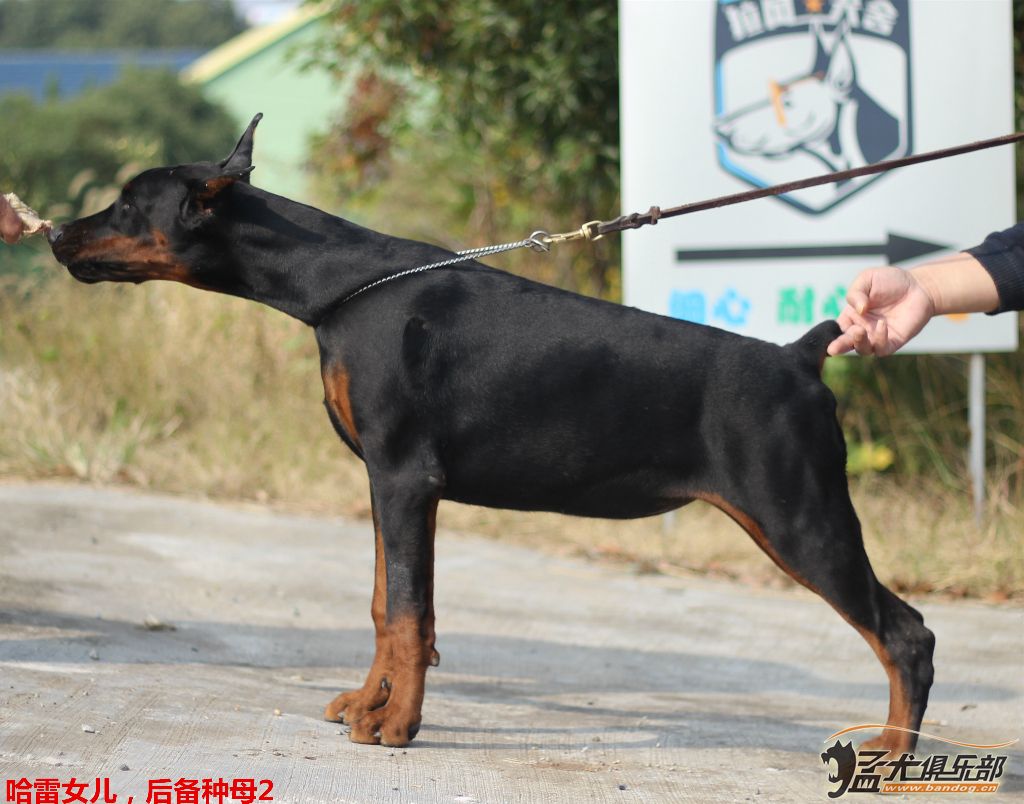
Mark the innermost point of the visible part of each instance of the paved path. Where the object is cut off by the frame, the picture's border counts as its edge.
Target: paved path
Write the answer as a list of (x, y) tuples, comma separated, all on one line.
[(559, 680)]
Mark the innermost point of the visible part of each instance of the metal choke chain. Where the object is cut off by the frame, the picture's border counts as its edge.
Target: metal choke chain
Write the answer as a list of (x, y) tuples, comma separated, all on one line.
[(533, 241)]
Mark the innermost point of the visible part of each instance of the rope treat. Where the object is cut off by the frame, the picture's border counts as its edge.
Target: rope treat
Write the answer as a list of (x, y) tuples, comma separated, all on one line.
[(31, 223)]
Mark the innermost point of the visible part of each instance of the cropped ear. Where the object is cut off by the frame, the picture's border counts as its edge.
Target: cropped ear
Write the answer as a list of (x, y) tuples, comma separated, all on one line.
[(241, 158)]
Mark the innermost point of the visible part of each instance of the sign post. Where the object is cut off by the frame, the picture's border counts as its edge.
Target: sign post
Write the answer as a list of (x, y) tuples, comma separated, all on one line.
[(976, 423)]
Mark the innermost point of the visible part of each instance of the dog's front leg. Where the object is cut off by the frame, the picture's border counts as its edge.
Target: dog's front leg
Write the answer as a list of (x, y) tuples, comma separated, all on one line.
[(387, 707)]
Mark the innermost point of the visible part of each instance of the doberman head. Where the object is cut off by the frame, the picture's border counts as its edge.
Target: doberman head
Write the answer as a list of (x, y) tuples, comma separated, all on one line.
[(160, 227), (205, 225)]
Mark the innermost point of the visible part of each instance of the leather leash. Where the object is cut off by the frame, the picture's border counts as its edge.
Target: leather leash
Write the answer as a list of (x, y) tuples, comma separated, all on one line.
[(594, 230)]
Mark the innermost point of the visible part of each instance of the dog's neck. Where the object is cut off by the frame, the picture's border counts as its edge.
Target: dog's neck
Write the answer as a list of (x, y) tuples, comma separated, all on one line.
[(317, 259)]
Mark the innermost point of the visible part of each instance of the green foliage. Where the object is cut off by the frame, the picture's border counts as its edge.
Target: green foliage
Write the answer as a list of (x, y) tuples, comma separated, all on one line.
[(522, 107), (510, 76), (916, 406), (148, 117), (90, 24)]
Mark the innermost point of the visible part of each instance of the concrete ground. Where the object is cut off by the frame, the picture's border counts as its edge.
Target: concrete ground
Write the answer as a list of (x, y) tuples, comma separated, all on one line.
[(559, 680)]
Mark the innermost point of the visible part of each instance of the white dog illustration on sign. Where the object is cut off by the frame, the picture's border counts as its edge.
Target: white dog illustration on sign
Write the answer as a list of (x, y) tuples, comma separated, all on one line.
[(824, 113)]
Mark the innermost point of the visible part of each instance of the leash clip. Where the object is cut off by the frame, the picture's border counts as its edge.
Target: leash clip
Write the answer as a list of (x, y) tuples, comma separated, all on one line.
[(589, 230)]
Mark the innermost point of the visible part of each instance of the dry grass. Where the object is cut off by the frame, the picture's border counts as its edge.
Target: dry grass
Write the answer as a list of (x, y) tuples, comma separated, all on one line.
[(162, 387)]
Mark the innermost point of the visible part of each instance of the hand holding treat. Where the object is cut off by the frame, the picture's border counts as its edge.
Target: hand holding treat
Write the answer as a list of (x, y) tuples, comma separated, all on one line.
[(17, 219)]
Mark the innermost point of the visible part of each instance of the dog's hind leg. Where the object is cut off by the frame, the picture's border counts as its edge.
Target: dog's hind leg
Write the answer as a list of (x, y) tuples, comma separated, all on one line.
[(827, 556), (387, 708), (796, 506)]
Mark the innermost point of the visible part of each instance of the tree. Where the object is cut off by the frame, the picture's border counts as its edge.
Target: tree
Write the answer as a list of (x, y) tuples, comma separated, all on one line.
[(90, 24), (529, 89), (147, 117)]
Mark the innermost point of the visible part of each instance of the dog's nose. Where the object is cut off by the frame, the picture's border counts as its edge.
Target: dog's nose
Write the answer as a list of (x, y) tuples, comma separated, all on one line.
[(54, 234)]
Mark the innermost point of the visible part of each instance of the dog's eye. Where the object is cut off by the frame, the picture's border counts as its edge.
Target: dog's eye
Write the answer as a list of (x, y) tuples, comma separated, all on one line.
[(126, 206)]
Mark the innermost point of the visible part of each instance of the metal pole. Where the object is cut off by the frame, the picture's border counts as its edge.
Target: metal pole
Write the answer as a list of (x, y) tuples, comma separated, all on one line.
[(976, 423)]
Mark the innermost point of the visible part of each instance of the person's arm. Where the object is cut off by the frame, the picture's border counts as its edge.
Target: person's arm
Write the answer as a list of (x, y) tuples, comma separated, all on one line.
[(957, 284), (11, 226), (886, 307), (1002, 255)]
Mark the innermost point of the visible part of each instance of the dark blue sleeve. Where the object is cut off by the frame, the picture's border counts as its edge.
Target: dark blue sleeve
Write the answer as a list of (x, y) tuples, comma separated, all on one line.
[(1002, 255)]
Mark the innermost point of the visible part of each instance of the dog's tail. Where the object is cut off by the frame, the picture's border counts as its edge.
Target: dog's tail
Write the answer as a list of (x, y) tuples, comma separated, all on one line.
[(810, 349)]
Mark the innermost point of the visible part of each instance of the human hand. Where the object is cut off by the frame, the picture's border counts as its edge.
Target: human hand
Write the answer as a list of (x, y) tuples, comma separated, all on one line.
[(11, 226), (886, 307)]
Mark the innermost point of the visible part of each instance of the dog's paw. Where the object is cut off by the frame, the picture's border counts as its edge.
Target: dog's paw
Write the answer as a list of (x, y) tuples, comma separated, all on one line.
[(389, 725), (349, 707), (893, 743)]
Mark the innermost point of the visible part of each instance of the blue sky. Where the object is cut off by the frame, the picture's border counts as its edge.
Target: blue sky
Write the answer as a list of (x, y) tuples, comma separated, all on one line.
[(261, 12)]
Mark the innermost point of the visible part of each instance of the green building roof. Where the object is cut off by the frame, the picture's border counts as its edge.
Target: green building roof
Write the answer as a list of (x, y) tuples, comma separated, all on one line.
[(267, 69)]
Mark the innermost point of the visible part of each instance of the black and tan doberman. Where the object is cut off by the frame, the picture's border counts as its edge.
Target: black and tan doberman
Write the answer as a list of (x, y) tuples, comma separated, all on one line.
[(471, 384)]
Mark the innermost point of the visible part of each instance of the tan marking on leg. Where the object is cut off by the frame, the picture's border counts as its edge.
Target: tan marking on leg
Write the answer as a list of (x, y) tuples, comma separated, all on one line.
[(900, 709), (351, 706), (431, 633), (387, 708), (756, 533), (408, 658)]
